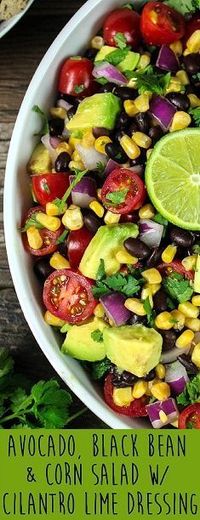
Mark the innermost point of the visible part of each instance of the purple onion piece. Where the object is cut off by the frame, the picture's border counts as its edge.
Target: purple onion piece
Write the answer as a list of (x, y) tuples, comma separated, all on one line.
[(163, 111), (170, 409), (111, 165), (84, 192), (109, 72), (45, 139), (150, 232), (176, 376), (54, 141), (167, 59), (113, 305)]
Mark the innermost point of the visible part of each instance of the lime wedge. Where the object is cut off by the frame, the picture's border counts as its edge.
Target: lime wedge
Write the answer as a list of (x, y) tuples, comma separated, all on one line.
[(173, 178)]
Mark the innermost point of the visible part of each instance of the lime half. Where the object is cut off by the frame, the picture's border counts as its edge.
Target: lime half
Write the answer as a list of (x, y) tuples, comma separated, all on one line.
[(173, 178)]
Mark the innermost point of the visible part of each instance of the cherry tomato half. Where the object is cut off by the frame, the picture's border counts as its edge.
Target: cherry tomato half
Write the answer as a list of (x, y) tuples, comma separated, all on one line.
[(190, 417), (136, 409), (125, 187), (175, 267), (49, 237), (192, 26), (48, 186), (77, 243), (68, 296), (123, 21), (161, 24), (76, 78)]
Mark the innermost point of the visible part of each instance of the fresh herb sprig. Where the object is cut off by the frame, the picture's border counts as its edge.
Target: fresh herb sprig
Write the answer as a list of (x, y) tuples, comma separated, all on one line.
[(60, 203), (44, 119), (195, 113), (128, 284), (184, 6), (178, 287), (31, 222), (191, 393), (149, 80)]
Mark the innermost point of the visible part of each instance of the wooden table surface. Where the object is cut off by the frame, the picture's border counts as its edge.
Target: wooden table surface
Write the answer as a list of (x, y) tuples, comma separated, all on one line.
[(20, 53)]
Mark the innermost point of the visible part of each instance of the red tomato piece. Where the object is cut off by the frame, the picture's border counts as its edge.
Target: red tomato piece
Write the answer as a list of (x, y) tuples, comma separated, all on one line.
[(123, 21), (175, 267), (160, 24), (192, 26), (75, 78), (49, 237), (48, 186), (190, 417), (77, 243), (136, 409), (68, 296), (127, 186)]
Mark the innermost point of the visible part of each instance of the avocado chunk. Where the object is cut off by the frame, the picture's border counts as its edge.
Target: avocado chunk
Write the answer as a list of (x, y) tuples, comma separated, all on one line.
[(79, 343), (40, 161), (104, 245), (197, 276), (100, 110), (130, 62), (134, 348)]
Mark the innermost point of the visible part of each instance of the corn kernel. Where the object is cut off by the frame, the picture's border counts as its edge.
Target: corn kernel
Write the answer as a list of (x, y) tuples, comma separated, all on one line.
[(185, 339), (58, 112), (142, 102), (64, 147), (178, 319), (189, 262), (194, 100), (139, 389), (57, 261), (163, 417), (196, 355), (76, 156), (111, 218), (53, 320), (164, 321), (97, 42), (88, 138), (130, 108), (99, 311), (53, 211), (131, 149), (193, 43), (34, 238), (177, 47), (51, 223), (97, 208), (145, 60), (75, 165), (189, 310), (123, 396), (136, 306), (142, 140), (154, 17), (123, 257), (183, 77), (180, 121), (150, 384), (186, 52), (152, 276), (160, 371), (193, 324), (196, 301), (146, 293), (168, 254), (174, 85), (161, 391), (73, 141), (147, 211), (154, 287), (101, 143), (73, 218), (149, 152)]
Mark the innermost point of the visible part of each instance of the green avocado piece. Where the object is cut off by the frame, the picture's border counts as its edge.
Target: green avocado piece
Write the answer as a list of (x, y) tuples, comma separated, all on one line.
[(40, 161), (100, 110), (79, 343), (197, 276), (104, 245), (134, 348), (130, 62)]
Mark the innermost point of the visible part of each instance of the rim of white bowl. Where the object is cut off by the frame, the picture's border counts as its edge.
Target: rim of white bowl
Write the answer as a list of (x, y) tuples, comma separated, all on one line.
[(7, 25)]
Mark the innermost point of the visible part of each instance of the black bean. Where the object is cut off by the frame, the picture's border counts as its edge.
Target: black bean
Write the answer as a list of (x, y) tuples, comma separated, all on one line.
[(71, 112), (169, 339), (181, 237), (90, 53), (187, 363), (155, 133), (180, 101), (155, 257), (123, 379), (150, 376), (142, 121), (70, 99), (42, 269), (192, 63), (132, 128), (118, 134), (98, 131), (160, 301), (125, 93), (91, 222), (109, 87), (62, 162), (56, 126), (135, 247), (130, 217), (115, 152), (123, 119)]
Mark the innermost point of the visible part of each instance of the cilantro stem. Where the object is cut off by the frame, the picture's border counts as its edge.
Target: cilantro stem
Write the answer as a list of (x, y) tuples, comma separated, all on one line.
[(22, 408), (75, 181), (77, 414)]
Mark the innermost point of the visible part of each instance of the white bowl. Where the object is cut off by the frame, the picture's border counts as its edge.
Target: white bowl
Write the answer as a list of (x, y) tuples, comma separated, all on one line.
[(71, 41), (8, 24)]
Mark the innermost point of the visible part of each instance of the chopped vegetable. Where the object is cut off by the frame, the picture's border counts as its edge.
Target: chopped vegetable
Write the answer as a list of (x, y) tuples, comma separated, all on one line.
[(149, 80), (163, 111), (113, 305), (178, 287), (100, 368), (195, 113), (97, 335), (191, 393)]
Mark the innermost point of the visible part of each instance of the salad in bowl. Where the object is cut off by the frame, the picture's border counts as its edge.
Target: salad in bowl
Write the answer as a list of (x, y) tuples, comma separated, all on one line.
[(114, 225)]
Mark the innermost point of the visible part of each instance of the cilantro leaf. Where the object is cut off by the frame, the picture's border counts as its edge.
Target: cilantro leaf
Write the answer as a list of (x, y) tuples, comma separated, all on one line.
[(100, 167), (100, 368), (62, 237), (51, 404), (150, 312), (160, 219), (149, 80), (101, 273), (125, 284), (102, 80), (191, 394), (120, 40), (195, 113), (32, 222), (115, 57), (97, 335), (79, 88), (178, 287), (117, 197), (100, 289), (6, 362), (184, 6), (45, 124), (196, 249), (78, 176)]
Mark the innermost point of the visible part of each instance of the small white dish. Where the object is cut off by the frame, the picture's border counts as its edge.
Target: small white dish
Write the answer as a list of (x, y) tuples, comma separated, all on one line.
[(8, 24)]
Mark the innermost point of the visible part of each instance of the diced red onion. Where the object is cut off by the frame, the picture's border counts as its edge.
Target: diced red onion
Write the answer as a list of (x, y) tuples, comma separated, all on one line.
[(109, 72), (168, 407), (167, 59), (113, 305), (171, 355), (63, 104), (54, 141), (150, 232), (66, 133), (90, 156), (111, 165), (84, 192), (163, 111), (45, 139), (138, 169), (176, 376)]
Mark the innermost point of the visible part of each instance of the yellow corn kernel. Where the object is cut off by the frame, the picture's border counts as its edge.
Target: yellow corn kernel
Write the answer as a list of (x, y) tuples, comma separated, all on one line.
[(160, 371), (193, 324), (131, 149), (186, 52), (145, 60), (189, 310), (152, 276), (34, 238), (164, 321), (52, 210), (64, 147), (193, 43), (136, 306), (97, 208), (76, 156), (123, 257), (76, 165), (194, 100), (154, 287), (146, 293), (163, 417), (73, 141), (130, 108), (185, 339), (149, 152), (88, 138), (123, 396), (177, 47), (168, 254), (178, 319), (161, 391), (97, 42), (111, 218), (154, 17), (142, 140), (196, 300), (58, 112), (57, 261), (139, 389), (51, 223), (183, 77), (147, 211), (189, 262), (73, 218), (150, 384), (53, 320), (180, 121), (101, 143), (142, 102), (196, 355), (99, 311), (174, 85)]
